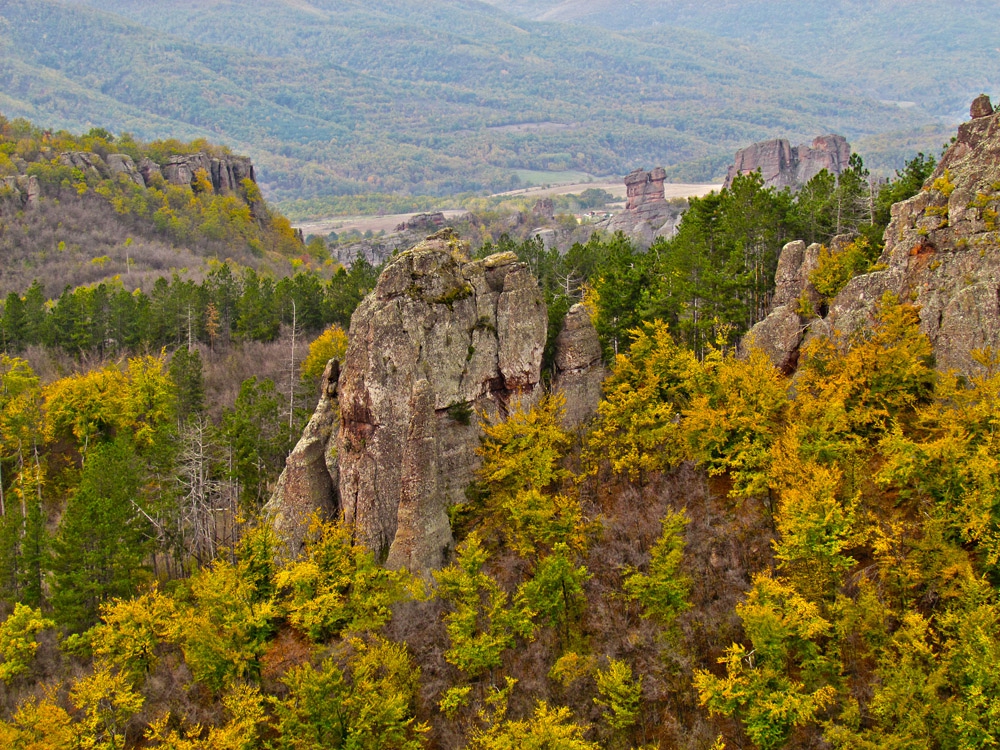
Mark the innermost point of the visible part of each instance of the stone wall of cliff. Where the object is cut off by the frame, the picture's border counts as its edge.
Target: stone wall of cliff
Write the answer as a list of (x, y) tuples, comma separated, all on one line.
[(942, 253), (782, 165)]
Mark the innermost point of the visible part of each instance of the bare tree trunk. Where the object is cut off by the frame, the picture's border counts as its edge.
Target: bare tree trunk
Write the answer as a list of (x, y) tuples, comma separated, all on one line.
[(291, 373)]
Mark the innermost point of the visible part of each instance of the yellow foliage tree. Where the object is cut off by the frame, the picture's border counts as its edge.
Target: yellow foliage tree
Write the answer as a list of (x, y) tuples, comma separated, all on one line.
[(331, 344)]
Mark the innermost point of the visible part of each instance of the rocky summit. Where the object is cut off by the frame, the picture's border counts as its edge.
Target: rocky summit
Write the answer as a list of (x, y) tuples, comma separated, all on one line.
[(942, 253), (782, 165)]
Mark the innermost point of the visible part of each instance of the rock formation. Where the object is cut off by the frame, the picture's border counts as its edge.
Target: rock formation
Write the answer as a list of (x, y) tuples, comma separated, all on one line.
[(150, 171), (942, 253), (439, 339), (308, 483), (781, 333), (23, 189), (87, 162), (644, 190), (122, 164), (647, 213), (226, 173), (579, 370), (423, 222), (782, 165)]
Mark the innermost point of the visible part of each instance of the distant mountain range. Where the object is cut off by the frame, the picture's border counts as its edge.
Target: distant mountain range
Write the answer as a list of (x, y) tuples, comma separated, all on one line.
[(422, 97)]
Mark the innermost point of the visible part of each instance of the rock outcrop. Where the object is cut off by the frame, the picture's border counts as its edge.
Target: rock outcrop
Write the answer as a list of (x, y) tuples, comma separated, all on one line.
[(647, 213), (579, 369), (87, 162), (226, 173), (439, 339), (942, 253), (122, 164), (423, 222), (782, 165), (781, 333), (308, 484), (23, 189)]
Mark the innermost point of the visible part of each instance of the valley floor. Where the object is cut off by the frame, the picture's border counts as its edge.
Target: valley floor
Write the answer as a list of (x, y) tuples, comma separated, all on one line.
[(388, 222)]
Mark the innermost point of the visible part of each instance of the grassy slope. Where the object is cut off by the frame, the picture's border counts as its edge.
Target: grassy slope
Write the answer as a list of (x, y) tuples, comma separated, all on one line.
[(343, 96)]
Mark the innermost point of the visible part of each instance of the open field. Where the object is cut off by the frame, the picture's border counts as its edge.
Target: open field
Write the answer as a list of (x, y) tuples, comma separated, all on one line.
[(617, 189), (388, 222)]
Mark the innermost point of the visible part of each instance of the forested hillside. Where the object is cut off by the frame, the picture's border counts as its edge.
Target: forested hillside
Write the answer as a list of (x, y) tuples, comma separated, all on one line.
[(724, 557), (79, 209), (923, 53), (420, 98)]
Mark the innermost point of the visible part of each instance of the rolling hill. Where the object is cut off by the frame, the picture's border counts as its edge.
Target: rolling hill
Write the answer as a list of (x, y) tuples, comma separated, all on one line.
[(410, 97), (926, 53)]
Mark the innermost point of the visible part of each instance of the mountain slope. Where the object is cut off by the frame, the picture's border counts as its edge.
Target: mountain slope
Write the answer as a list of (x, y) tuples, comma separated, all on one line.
[(922, 52), (439, 97)]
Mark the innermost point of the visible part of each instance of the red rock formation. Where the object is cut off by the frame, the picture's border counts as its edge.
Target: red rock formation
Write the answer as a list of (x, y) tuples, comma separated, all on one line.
[(644, 188), (782, 165)]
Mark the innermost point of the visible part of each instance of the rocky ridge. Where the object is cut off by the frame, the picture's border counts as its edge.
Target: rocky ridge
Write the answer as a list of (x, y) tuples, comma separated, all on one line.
[(942, 253), (225, 172), (782, 165)]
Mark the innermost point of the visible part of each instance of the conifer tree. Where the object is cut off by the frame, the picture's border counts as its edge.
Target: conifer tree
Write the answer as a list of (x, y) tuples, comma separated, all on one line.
[(103, 539)]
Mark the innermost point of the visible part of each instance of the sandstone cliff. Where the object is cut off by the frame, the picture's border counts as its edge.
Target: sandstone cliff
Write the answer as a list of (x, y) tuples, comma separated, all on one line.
[(782, 165), (942, 253), (439, 341)]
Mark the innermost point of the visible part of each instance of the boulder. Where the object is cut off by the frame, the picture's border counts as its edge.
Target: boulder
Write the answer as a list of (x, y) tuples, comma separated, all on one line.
[(439, 340), (981, 107)]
